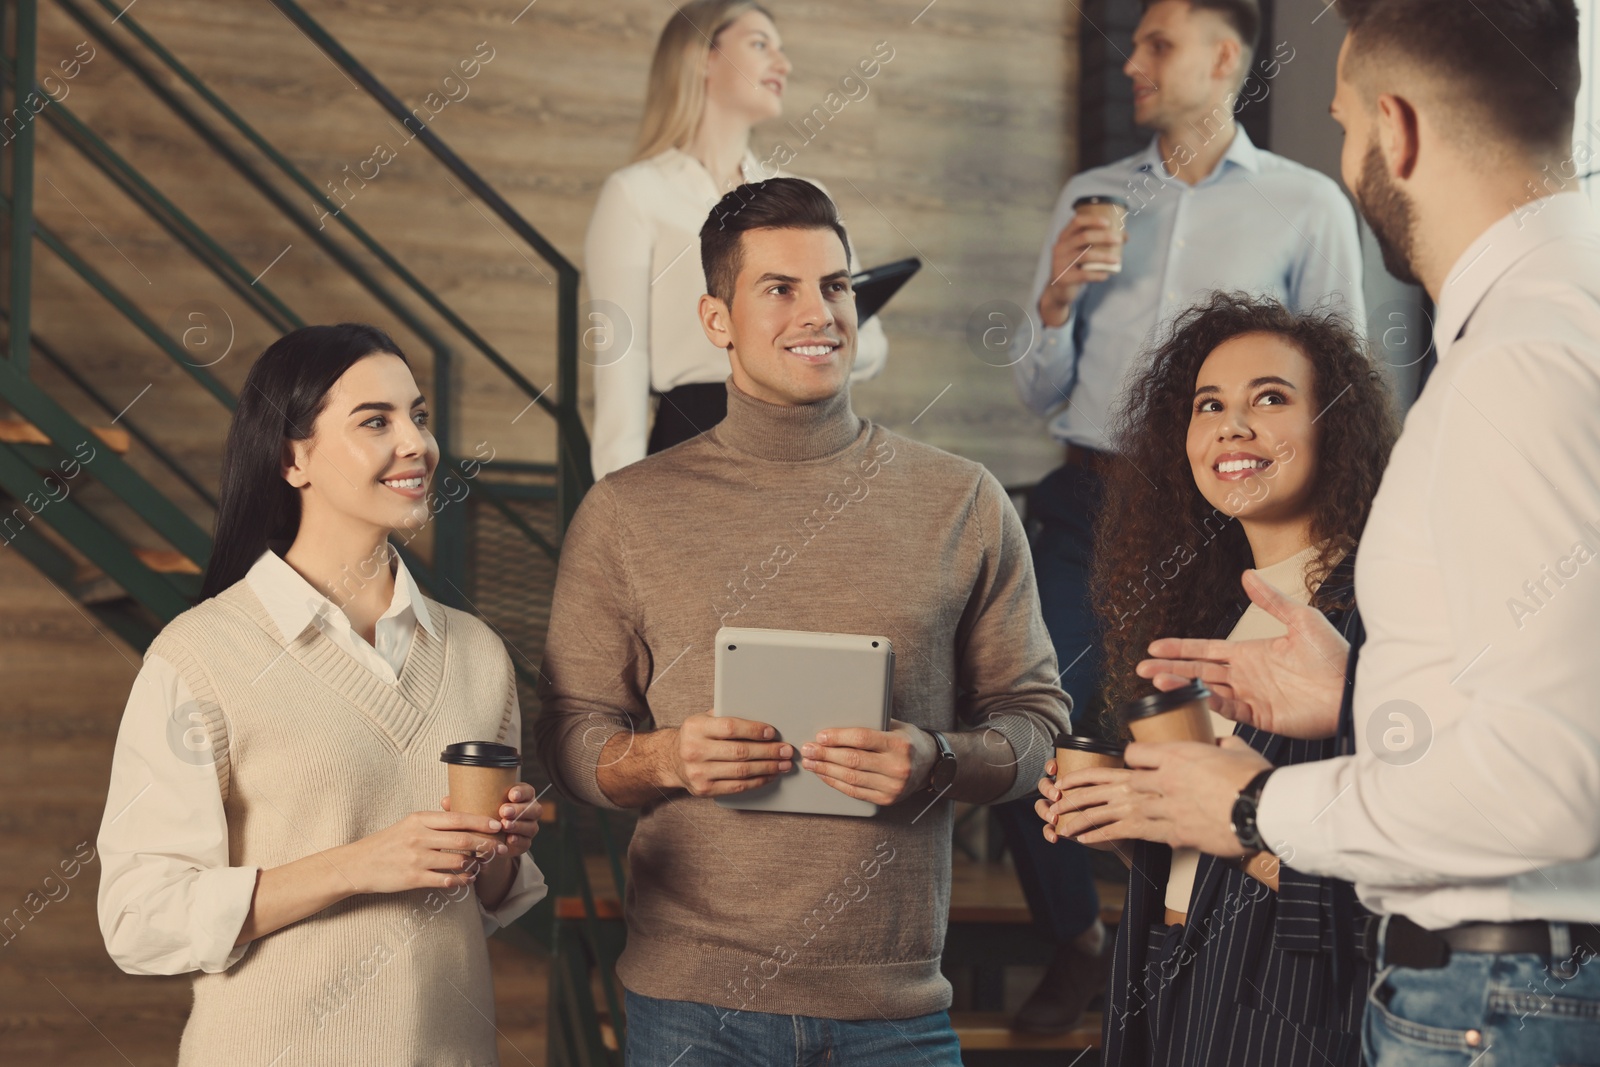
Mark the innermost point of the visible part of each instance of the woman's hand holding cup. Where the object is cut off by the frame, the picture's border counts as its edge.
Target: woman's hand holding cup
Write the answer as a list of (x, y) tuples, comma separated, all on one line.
[(1082, 800), (519, 819), (424, 850)]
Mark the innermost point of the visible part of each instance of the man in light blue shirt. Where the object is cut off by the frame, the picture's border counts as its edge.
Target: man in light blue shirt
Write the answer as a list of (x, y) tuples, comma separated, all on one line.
[(1207, 210), (1256, 222)]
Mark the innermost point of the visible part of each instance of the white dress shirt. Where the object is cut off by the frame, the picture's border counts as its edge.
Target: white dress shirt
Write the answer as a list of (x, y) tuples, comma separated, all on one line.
[(1258, 222), (642, 259), (1474, 793), (165, 873)]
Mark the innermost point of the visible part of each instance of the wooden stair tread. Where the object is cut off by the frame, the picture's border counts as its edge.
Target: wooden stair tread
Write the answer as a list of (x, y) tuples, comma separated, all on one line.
[(991, 1031), (15, 431), (979, 893), (166, 561), (94, 586)]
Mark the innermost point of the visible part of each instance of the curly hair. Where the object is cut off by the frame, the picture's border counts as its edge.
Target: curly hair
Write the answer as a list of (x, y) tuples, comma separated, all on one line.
[(1167, 563)]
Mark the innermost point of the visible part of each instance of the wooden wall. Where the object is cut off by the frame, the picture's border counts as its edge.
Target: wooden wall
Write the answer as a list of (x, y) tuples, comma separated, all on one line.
[(956, 154)]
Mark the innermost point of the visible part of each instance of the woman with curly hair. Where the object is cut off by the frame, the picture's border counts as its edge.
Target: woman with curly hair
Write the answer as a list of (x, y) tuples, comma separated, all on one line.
[(1254, 439)]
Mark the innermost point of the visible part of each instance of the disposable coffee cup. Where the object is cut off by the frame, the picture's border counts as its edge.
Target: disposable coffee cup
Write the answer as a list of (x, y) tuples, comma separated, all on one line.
[(481, 773), (1177, 715), (1113, 211), (1074, 753)]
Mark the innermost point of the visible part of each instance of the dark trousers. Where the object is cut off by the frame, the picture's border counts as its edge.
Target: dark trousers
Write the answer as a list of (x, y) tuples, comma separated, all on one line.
[(687, 411), (1056, 879)]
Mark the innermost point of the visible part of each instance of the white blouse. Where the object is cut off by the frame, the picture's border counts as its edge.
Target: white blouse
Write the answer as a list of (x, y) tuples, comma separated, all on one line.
[(169, 903), (641, 329)]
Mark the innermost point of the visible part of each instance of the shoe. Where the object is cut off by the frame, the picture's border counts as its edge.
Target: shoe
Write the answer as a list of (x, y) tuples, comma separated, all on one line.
[(1073, 979)]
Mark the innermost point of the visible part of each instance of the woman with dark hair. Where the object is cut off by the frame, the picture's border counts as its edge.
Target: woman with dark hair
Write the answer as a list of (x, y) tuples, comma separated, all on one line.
[(1287, 428), (273, 813)]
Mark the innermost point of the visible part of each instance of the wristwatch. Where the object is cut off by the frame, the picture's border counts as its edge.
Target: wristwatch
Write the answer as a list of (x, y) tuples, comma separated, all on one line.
[(944, 765), (1244, 813)]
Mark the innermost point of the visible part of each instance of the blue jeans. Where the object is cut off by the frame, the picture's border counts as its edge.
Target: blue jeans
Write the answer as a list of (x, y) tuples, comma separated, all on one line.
[(1485, 1010), (680, 1033)]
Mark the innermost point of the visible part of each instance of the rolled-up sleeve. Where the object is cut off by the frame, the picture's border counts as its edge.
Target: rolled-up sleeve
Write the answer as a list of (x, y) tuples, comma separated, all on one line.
[(168, 902), (527, 889), (1006, 661), (527, 885)]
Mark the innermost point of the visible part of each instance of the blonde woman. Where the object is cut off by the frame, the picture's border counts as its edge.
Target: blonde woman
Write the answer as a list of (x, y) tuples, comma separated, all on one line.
[(719, 69)]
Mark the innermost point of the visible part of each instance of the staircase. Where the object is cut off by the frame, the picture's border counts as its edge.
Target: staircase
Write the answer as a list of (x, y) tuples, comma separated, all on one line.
[(111, 498)]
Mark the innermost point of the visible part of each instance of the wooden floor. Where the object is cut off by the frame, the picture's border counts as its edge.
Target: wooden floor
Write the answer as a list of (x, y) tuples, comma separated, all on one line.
[(62, 1001)]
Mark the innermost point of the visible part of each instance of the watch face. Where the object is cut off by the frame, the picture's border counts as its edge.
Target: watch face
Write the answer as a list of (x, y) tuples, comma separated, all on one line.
[(944, 772), (1244, 824)]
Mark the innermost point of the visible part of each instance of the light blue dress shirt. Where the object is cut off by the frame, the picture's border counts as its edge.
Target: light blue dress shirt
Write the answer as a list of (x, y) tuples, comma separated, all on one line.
[(1258, 223)]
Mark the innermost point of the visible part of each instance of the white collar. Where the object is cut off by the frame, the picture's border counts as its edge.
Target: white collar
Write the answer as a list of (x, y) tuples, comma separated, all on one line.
[(749, 166), (292, 602), (1496, 251)]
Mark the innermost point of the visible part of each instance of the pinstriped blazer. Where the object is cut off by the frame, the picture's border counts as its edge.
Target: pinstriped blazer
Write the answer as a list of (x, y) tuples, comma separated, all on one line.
[(1253, 977)]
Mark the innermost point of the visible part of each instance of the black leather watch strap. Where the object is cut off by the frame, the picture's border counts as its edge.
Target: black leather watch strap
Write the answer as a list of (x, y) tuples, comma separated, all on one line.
[(944, 765), (1244, 812)]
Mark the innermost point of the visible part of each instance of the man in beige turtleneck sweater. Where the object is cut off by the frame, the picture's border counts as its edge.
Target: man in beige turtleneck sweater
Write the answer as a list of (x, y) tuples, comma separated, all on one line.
[(762, 937)]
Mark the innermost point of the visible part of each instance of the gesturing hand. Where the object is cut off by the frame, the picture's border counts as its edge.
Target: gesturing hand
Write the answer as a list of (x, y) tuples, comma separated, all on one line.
[(424, 850), (720, 756), (882, 767), (1289, 685)]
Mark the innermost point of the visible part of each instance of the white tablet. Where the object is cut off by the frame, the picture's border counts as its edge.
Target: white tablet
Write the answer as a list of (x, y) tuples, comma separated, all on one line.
[(800, 684)]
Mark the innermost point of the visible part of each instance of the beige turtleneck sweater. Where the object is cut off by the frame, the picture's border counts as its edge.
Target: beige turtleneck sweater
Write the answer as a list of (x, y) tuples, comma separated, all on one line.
[(314, 750), (799, 518)]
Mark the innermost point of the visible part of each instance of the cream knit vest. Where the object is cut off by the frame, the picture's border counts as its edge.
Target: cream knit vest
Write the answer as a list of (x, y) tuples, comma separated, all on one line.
[(315, 751)]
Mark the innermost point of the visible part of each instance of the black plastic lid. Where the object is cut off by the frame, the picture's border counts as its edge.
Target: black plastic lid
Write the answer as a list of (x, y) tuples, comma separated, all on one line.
[(481, 754), (1082, 200), (1160, 703), (1089, 744)]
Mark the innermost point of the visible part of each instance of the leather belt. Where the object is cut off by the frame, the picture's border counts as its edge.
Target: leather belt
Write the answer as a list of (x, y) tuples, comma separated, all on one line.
[(1405, 944)]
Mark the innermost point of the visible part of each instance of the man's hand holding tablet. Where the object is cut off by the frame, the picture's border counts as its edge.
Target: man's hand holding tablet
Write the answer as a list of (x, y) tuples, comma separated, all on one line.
[(720, 756), (880, 766), (708, 756)]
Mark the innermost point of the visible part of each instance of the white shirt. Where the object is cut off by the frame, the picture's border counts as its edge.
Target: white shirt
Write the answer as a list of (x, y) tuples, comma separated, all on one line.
[(169, 903), (1258, 222), (1474, 793), (641, 329)]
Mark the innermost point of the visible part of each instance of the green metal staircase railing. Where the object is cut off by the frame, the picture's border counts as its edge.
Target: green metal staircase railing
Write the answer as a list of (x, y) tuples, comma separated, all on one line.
[(44, 517)]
